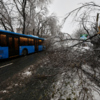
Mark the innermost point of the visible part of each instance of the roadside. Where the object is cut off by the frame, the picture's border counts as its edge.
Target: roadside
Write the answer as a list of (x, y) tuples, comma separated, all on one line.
[(58, 75), (14, 86)]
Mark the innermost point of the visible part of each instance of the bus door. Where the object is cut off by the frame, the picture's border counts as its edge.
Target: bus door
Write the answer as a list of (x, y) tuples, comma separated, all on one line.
[(13, 46), (36, 45)]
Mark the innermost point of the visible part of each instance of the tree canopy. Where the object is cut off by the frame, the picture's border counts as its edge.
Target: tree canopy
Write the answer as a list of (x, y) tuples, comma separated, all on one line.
[(29, 16)]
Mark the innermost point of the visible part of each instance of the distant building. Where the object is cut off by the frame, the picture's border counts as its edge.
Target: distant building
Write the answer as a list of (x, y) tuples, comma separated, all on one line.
[(19, 30)]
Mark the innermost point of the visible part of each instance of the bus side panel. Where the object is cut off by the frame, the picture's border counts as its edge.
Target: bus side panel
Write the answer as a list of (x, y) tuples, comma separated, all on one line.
[(40, 47), (30, 49), (4, 53)]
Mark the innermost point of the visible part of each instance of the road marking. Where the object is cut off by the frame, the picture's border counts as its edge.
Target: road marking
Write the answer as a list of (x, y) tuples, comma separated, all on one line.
[(6, 65)]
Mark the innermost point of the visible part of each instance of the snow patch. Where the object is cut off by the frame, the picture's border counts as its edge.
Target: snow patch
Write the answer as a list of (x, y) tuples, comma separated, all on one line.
[(96, 95), (3, 91), (75, 87), (27, 74), (87, 68)]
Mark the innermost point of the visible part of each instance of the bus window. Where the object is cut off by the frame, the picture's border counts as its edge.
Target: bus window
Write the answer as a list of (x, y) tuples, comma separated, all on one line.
[(23, 41), (31, 41), (40, 42), (3, 40), (16, 43), (10, 42)]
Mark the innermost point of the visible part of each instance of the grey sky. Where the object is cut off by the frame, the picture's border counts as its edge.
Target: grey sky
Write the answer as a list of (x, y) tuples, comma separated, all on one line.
[(61, 7)]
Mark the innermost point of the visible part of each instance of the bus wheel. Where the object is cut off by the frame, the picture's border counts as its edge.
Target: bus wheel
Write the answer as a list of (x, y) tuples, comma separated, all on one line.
[(24, 53)]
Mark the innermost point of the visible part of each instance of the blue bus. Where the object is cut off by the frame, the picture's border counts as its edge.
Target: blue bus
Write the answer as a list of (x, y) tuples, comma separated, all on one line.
[(15, 44)]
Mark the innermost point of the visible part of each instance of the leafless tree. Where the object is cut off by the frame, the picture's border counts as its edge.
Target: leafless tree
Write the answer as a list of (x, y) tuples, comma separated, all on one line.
[(29, 15), (85, 16), (6, 18), (27, 12)]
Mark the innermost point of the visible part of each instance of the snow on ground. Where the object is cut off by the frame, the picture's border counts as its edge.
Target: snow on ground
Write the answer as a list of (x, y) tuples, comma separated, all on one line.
[(27, 74), (86, 47), (22, 75), (82, 48), (87, 68), (70, 85), (3, 91), (76, 87)]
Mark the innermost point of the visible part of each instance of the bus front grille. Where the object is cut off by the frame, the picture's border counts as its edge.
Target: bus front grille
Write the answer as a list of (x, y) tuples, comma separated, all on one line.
[(1, 51)]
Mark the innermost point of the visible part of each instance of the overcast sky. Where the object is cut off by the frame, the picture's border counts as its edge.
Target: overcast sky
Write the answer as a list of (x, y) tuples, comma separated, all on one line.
[(61, 7)]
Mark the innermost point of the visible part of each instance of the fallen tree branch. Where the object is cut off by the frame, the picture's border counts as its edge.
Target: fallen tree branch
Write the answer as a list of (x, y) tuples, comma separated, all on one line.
[(84, 40)]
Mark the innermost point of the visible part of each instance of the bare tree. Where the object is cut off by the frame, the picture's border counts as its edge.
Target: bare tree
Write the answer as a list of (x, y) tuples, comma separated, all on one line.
[(6, 17), (85, 15), (24, 13)]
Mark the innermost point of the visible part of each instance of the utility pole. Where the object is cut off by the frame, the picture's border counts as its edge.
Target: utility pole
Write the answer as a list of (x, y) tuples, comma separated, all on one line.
[(98, 26)]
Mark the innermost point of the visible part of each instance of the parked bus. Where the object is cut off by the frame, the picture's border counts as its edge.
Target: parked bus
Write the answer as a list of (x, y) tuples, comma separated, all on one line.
[(16, 44)]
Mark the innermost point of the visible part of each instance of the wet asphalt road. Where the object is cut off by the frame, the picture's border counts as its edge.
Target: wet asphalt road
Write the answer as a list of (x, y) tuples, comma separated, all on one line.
[(10, 67)]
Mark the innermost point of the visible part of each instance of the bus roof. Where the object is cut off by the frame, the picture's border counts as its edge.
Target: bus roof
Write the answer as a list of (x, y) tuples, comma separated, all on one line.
[(31, 36)]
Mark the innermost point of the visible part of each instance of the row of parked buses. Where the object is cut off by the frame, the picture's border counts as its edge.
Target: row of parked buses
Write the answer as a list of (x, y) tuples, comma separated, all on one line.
[(16, 44)]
